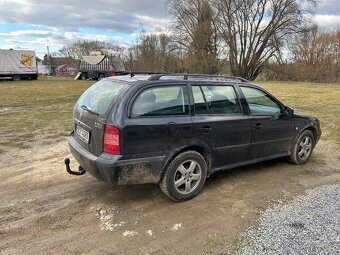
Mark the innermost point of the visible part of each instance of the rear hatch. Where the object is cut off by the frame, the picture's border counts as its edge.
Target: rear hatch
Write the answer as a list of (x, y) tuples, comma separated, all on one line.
[(92, 111)]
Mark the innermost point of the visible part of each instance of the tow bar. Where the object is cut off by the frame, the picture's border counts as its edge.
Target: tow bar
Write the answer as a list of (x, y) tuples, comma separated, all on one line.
[(81, 170)]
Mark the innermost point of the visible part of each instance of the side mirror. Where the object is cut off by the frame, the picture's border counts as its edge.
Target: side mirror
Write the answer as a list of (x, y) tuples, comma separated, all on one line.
[(289, 111), (276, 116)]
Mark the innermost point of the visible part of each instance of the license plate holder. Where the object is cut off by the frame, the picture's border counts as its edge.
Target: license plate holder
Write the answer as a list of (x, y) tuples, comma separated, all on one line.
[(83, 134)]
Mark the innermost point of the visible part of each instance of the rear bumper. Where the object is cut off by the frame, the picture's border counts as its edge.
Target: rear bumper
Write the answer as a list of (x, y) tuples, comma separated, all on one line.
[(114, 168)]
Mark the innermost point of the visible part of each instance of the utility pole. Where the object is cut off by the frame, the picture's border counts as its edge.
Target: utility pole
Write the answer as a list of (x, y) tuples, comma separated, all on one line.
[(49, 60)]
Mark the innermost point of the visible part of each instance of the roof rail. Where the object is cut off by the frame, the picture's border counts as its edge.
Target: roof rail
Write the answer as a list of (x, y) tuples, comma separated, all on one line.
[(156, 77), (147, 73)]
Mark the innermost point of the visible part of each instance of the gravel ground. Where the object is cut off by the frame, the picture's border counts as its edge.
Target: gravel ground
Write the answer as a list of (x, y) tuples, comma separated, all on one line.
[(309, 224)]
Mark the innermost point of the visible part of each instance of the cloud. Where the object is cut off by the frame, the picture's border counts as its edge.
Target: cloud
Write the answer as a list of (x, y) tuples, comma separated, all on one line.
[(73, 15), (57, 23), (329, 21), (329, 7), (39, 39), (33, 33)]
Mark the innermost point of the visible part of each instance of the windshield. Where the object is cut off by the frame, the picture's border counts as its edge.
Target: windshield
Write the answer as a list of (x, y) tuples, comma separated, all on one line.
[(98, 97)]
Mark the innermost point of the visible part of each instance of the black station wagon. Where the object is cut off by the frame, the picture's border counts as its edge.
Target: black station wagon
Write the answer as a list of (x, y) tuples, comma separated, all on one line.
[(178, 129)]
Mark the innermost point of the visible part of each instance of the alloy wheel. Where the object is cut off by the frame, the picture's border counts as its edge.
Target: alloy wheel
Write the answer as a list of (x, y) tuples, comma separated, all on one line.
[(305, 148), (187, 177)]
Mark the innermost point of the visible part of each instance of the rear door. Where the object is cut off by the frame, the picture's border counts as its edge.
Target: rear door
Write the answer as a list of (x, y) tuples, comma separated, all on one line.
[(219, 121), (91, 111), (272, 129), (159, 121)]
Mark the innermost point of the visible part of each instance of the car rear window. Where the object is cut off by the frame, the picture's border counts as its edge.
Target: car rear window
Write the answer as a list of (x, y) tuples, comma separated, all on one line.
[(98, 97)]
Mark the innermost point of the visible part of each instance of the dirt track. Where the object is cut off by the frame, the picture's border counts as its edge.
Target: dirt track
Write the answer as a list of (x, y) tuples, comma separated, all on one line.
[(43, 210)]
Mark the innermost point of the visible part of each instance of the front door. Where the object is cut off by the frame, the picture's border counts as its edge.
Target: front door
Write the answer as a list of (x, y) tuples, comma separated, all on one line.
[(272, 129)]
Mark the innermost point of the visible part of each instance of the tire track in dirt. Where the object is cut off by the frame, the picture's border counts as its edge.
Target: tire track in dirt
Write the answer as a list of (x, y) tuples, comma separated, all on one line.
[(43, 210)]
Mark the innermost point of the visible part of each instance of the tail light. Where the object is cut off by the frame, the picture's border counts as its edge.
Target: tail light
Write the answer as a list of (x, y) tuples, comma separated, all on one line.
[(113, 73), (111, 140)]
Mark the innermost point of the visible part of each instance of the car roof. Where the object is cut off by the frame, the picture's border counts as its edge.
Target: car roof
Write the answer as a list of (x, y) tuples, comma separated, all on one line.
[(171, 78), (128, 78)]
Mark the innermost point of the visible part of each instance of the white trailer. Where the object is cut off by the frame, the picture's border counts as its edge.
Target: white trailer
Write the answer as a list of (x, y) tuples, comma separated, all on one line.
[(17, 65)]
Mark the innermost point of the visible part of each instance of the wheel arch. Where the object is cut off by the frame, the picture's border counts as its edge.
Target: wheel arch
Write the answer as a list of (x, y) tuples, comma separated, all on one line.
[(310, 128), (313, 130), (201, 149), (292, 155)]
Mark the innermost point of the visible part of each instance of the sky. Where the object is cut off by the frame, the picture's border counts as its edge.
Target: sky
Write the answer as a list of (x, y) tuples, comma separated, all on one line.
[(36, 24)]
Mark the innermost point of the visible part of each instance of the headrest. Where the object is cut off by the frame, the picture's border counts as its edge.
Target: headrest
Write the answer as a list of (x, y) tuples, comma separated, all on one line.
[(218, 97), (148, 97)]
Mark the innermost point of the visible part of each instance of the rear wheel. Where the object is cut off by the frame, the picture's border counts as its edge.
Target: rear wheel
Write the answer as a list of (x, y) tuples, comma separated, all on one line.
[(185, 176), (16, 78), (83, 76), (303, 148)]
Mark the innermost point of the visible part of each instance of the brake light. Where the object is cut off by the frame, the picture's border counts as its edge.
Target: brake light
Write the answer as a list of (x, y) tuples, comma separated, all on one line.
[(113, 73), (111, 140)]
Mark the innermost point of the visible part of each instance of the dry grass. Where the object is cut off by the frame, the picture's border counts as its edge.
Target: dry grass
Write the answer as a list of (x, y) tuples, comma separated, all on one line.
[(37, 111), (41, 111), (321, 100)]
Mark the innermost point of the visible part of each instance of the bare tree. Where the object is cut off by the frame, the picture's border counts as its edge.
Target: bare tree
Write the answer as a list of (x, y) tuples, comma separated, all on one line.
[(254, 30), (196, 35), (85, 48), (153, 52), (315, 56), (316, 46)]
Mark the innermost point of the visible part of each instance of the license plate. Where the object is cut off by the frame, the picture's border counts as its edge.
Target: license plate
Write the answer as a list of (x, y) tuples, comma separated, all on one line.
[(83, 134)]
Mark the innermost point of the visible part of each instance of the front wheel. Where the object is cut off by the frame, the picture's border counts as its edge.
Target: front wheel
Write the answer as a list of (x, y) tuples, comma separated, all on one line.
[(303, 148), (185, 176)]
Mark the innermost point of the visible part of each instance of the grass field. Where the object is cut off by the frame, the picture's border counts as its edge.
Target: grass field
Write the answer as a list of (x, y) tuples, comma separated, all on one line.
[(41, 111), (37, 111), (321, 100)]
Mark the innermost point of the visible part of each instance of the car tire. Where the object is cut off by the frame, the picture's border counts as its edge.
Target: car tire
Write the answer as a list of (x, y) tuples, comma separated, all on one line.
[(16, 78), (303, 148), (83, 76), (185, 176)]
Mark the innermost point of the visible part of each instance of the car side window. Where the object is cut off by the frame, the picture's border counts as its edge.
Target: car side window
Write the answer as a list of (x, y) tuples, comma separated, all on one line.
[(216, 99), (200, 104), (160, 101), (259, 102)]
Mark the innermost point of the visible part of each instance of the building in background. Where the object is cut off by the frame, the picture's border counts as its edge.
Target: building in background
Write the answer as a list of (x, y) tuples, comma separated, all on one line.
[(66, 70), (54, 64), (42, 69)]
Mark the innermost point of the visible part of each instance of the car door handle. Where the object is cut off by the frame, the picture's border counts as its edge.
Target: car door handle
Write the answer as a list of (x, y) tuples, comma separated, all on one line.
[(205, 129), (258, 125)]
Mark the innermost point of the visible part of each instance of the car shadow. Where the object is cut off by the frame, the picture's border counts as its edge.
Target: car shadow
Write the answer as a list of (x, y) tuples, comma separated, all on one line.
[(261, 167), (114, 194)]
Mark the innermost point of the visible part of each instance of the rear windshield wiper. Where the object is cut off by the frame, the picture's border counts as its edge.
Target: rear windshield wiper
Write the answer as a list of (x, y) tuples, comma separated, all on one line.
[(84, 107)]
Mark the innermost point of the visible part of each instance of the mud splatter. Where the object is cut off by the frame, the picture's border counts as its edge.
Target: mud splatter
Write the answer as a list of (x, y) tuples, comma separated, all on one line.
[(176, 226), (130, 233)]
